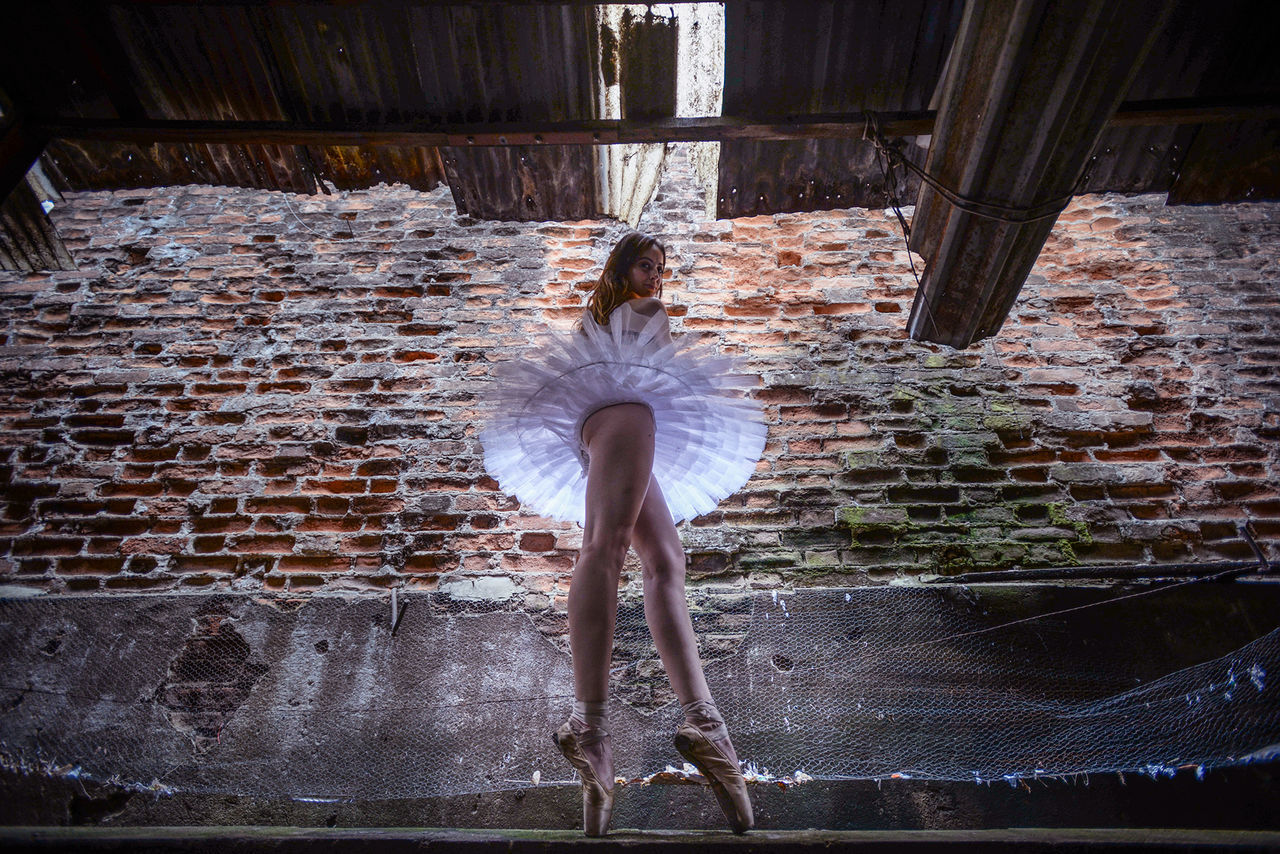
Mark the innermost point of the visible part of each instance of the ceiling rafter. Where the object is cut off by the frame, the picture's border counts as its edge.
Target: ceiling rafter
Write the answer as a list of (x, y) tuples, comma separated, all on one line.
[(1174, 111)]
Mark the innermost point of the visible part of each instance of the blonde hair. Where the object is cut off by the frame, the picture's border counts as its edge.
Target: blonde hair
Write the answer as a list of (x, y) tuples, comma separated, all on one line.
[(612, 289)]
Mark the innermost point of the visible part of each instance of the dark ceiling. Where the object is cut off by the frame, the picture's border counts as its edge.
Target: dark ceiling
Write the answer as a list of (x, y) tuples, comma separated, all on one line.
[(1010, 108)]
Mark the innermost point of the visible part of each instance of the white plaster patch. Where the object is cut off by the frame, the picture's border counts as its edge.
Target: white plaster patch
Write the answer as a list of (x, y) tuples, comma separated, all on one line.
[(492, 588)]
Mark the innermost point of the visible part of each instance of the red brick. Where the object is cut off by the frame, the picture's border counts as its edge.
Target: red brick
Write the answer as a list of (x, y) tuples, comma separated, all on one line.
[(431, 562), (139, 488), (365, 543), (263, 545), (279, 504), (535, 564), (314, 563), (537, 542), (287, 386), (338, 524), (203, 563), (221, 524), (335, 486), (90, 565), (373, 504), (208, 544), (481, 542), (48, 546)]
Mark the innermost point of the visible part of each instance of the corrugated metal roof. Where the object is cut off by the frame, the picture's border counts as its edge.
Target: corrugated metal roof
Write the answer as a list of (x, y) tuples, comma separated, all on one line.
[(369, 64), (792, 59), (550, 182), (364, 65), (826, 57), (28, 240), (1180, 65), (92, 165), (816, 174), (1240, 161)]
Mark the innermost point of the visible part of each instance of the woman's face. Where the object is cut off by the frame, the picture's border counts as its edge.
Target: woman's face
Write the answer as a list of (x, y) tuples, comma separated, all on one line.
[(645, 275)]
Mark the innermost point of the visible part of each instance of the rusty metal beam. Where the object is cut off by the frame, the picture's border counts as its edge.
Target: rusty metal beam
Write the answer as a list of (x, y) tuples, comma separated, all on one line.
[(1030, 87), (1194, 111)]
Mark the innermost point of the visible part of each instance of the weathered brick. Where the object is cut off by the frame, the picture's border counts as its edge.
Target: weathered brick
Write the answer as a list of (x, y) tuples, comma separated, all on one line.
[(221, 524), (278, 504), (47, 546), (314, 563), (537, 542), (203, 563), (144, 415), (335, 486), (90, 565), (431, 562)]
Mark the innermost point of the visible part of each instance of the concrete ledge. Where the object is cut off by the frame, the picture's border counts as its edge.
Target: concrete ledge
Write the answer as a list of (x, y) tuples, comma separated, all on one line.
[(228, 840), (1243, 798)]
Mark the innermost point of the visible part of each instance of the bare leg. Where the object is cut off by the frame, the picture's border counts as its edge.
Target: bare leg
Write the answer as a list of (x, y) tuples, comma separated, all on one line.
[(666, 608), (703, 739), (619, 441)]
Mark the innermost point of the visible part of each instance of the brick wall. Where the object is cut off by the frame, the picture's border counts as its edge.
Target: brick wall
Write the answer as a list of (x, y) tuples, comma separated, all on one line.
[(250, 390)]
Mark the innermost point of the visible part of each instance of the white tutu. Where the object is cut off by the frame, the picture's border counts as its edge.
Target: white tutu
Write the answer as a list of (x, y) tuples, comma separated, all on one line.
[(709, 433)]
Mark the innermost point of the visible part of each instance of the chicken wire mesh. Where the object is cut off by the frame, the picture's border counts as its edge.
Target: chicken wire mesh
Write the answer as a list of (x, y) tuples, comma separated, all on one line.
[(318, 697)]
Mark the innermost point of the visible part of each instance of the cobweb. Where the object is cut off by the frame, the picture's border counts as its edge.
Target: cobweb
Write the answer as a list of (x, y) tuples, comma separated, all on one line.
[(317, 697)]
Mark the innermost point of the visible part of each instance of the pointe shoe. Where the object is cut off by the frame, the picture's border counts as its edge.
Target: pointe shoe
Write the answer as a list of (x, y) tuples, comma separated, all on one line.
[(721, 771), (597, 787)]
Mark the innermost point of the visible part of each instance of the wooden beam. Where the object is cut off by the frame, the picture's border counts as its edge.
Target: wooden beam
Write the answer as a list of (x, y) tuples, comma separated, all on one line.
[(1194, 111), (586, 132), (1030, 88), (606, 131)]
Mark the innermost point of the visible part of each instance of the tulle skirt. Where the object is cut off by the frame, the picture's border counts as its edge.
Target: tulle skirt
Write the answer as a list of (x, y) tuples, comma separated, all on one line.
[(709, 433)]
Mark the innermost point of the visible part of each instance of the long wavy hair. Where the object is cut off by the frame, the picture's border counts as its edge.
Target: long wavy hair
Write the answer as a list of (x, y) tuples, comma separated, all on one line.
[(612, 290)]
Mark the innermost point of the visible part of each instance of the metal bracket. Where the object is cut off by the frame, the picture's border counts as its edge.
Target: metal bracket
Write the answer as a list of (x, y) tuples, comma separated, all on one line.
[(1263, 565), (397, 612)]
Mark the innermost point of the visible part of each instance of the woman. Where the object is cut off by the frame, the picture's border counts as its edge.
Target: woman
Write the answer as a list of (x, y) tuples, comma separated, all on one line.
[(618, 428)]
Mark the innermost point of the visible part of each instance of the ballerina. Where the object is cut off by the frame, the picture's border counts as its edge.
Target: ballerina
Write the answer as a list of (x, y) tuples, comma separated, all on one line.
[(622, 430)]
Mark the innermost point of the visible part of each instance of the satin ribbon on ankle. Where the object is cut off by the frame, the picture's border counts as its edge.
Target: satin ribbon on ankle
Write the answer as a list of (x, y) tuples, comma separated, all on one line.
[(704, 715)]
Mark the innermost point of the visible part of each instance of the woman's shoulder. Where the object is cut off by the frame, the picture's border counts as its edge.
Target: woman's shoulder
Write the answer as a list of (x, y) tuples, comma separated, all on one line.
[(645, 306)]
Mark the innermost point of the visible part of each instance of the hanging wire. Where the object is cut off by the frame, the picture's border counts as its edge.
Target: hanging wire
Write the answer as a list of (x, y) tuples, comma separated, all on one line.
[(889, 175), (954, 636), (298, 218), (1014, 215)]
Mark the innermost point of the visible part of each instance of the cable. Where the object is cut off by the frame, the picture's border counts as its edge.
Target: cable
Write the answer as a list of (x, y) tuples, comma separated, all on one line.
[(1033, 618), (1014, 215), (890, 177)]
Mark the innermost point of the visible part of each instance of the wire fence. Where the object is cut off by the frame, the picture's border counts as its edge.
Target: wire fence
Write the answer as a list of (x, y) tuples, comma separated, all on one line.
[(318, 698)]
